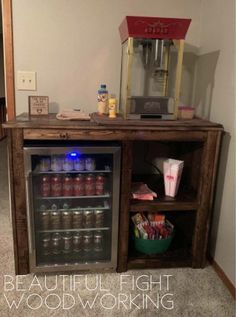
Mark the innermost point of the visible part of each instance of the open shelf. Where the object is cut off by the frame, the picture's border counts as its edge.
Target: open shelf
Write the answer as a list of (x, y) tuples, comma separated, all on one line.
[(164, 203), (186, 198), (180, 252)]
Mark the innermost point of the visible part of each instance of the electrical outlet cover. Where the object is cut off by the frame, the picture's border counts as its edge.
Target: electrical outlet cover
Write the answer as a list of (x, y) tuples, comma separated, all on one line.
[(26, 80)]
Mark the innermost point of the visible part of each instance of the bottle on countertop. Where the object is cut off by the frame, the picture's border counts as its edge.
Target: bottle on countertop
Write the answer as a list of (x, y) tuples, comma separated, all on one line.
[(102, 100), (112, 106)]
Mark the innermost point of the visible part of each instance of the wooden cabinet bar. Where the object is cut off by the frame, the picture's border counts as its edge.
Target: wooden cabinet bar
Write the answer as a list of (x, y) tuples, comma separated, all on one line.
[(196, 141)]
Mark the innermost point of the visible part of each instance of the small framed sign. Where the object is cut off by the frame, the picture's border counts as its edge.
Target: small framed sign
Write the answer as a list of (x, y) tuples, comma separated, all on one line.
[(38, 105)]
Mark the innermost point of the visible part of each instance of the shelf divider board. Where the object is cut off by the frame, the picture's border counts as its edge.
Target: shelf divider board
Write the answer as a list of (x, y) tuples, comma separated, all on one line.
[(160, 261), (126, 180), (155, 206)]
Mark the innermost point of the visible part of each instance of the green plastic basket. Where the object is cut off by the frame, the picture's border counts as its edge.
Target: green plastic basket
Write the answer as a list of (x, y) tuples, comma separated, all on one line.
[(153, 246)]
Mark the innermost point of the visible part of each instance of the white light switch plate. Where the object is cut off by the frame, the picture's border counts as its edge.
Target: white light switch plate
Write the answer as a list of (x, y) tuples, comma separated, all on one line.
[(26, 80)]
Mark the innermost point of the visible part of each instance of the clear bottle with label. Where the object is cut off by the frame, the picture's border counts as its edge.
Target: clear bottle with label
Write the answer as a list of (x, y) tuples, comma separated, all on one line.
[(102, 100), (112, 106)]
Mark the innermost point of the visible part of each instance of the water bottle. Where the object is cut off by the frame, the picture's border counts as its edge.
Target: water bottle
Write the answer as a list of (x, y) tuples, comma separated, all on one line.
[(102, 100)]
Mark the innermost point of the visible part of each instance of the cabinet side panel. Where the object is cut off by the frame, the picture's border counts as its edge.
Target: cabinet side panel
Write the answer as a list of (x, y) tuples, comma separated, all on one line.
[(126, 176), (207, 180), (19, 217), (12, 197)]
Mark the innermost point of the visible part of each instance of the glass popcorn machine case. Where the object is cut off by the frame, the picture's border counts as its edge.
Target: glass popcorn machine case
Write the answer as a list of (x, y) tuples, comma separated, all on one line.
[(72, 206), (152, 56)]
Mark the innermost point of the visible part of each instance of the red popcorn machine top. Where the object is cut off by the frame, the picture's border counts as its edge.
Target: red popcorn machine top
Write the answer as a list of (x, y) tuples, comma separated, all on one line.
[(152, 58)]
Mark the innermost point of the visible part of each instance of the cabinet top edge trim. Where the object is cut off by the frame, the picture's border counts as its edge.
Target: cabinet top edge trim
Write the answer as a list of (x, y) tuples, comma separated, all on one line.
[(50, 122)]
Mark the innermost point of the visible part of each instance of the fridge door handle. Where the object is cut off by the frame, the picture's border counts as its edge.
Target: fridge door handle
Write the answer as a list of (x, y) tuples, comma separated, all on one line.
[(29, 209)]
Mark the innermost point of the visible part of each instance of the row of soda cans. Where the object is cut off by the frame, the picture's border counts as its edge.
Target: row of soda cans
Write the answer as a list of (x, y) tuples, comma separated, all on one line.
[(68, 242), (66, 218), (59, 163), (57, 185)]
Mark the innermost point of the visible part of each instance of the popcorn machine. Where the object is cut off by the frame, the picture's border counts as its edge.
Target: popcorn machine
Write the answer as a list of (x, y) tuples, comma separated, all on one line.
[(152, 58)]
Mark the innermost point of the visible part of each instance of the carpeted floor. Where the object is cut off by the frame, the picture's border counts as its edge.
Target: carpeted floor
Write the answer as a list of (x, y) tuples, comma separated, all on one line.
[(190, 293)]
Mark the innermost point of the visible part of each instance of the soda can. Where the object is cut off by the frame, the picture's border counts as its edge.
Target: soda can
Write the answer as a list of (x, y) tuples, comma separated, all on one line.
[(67, 185), (99, 216), (88, 218), (45, 164), (56, 163), (100, 184), (90, 185), (67, 242), (87, 241), (90, 164), (56, 185), (79, 185), (77, 242), (44, 219), (45, 244), (56, 243), (45, 186), (98, 241), (79, 164), (77, 217), (66, 219), (55, 218), (68, 164)]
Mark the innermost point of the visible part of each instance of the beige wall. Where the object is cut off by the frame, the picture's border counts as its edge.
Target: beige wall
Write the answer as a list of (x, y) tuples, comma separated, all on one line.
[(74, 45), (215, 99)]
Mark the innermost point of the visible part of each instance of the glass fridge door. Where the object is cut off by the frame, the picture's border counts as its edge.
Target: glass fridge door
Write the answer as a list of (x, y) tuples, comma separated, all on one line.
[(73, 205)]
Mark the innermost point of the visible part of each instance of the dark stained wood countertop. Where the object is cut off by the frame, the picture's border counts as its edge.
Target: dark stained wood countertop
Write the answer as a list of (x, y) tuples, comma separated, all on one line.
[(24, 121)]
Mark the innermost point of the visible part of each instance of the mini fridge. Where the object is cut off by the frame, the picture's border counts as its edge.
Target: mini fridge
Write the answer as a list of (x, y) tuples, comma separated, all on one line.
[(72, 206)]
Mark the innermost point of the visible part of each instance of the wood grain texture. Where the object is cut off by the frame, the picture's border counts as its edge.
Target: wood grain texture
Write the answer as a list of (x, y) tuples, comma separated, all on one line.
[(210, 157), (8, 58), (158, 263), (50, 122), (126, 178), (2, 117), (154, 206), (18, 199), (178, 258), (113, 134)]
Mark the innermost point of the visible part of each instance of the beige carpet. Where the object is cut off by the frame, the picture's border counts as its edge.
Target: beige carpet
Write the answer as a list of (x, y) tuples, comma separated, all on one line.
[(191, 293)]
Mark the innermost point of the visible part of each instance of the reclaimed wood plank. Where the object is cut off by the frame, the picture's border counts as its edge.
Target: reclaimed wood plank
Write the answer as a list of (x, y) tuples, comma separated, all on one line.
[(207, 179), (114, 135), (126, 178), (18, 205)]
